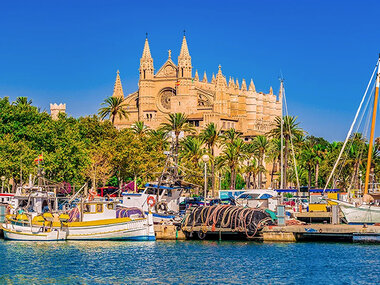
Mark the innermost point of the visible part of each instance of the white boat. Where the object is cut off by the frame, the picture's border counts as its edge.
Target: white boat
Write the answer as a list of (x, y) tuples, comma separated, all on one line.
[(258, 198), (103, 220), (26, 233), (162, 201), (90, 220), (362, 214)]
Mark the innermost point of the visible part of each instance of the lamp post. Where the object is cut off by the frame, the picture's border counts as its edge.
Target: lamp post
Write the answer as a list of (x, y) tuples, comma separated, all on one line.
[(205, 159), (2, 183)]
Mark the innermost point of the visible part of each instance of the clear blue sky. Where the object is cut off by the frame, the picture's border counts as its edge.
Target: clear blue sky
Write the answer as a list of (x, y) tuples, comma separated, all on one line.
[(69, 51)]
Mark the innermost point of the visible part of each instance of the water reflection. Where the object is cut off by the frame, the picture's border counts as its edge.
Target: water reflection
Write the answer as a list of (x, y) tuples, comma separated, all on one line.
[(187, 262)]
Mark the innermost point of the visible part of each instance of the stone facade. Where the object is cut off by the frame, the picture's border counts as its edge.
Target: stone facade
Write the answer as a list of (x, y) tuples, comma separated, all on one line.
[(173, 88)]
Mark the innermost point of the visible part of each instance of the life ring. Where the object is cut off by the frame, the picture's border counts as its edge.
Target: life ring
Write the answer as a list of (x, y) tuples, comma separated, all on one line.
[(91, 195), (151, 201)]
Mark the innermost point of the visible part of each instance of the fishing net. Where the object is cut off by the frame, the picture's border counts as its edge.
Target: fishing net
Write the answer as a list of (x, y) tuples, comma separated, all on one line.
[(234, 218)]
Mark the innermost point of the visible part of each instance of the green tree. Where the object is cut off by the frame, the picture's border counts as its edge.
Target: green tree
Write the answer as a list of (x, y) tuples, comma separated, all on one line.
[(290, 129), (22, 101), (113, 107), (139, 128), (177, 123), (233, 155), (211, 136), (260, 146)]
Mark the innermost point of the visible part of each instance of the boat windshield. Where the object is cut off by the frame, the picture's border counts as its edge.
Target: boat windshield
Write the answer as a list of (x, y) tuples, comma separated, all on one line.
[(248, 196), (153, 191)]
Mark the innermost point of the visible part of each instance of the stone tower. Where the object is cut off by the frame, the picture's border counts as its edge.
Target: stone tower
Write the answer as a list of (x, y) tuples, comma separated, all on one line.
[(55, 109)]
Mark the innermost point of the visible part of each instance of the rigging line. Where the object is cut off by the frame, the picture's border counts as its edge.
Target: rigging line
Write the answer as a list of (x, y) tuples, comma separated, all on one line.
[(291, 142), (347, 152), (364, 135), (350, 130)]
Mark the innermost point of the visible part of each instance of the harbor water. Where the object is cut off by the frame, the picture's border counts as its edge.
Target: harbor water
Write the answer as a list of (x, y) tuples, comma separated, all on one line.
[(188, 262)]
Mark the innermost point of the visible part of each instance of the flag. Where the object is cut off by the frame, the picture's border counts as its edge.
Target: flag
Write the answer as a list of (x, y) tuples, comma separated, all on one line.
[(38, 159), (129, 186), (177, 83)]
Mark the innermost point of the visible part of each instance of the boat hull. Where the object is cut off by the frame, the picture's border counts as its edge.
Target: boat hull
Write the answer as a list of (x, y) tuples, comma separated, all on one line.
[(32, 234), (137, 230), (108, 229), (363, 214)]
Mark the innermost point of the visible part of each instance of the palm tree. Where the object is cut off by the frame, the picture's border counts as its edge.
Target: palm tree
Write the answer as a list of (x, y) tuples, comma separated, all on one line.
[(260, 145), (251, 170), (307, 160), (113, 107), (274, 154), (211, 136), (139, 128), (232, 156), (22, 101), (177, 123), (290, 129), (159, 137), (319, 154), (230, 136), (192, 149)]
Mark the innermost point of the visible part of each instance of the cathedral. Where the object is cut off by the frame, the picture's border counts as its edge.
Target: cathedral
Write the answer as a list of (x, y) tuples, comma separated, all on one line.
[(174, 89)]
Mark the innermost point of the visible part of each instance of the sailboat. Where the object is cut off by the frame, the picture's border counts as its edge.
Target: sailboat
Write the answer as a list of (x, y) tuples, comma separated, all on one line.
[(367, 212)]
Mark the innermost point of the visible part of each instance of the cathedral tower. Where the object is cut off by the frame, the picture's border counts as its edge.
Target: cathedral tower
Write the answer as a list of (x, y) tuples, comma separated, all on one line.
[(146, 99), (185, 100), (184, 61)]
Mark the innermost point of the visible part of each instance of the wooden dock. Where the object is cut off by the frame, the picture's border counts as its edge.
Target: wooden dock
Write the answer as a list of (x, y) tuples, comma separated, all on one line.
[(168, 232), (291, 233), (318, 232)]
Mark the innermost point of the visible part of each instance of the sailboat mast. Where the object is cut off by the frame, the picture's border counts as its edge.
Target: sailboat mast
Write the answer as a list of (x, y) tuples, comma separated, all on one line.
[(282, 134), (373, 123)]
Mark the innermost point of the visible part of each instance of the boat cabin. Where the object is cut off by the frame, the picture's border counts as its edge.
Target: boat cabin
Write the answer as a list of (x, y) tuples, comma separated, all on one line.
[(170, 196)]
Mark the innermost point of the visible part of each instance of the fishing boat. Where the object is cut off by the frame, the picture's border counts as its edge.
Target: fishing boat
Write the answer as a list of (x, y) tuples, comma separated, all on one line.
[(163, 201), (367, 210), (89, 220), (21, 228), (105, 220)]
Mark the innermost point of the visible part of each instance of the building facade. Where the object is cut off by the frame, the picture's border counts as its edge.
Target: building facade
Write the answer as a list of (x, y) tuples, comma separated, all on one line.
[(174, 89)]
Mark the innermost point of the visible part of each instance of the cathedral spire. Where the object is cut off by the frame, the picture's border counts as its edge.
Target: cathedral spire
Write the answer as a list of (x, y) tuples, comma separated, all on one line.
[(243, 85), (204, 77), (271, 91), (220, 80), (118, 88), (252, 86), (213, 78), (196, 77), (231, 83), (146, 52), (281, 89), (237, 84), (146, 62), (184, 49)]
